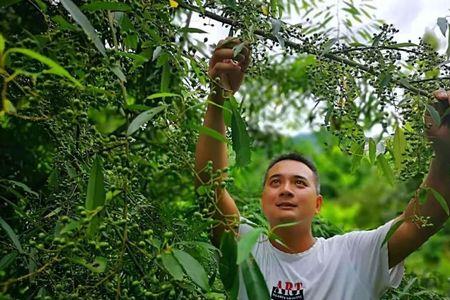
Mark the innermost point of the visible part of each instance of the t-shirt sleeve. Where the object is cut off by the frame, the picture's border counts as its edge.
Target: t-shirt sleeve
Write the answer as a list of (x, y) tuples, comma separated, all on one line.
[(370, 259)]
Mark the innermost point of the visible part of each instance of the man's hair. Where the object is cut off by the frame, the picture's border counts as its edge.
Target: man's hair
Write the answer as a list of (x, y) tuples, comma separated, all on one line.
[(297, 157)]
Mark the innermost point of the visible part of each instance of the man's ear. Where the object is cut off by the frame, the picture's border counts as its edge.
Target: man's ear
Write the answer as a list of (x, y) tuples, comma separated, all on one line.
[(319, 201)]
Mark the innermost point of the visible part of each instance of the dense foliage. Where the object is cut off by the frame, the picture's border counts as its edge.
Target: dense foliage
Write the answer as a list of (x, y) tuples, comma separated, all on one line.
[(101, 109)]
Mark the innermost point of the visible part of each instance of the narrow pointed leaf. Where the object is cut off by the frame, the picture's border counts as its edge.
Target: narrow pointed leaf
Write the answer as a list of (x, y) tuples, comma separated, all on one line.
[(96, 189), (246, 243), (2, 44), (392, 230), (443, 24), (12, 235), (399, 146), (143, 118), (24, 187), (118, 72), (81, 19), (448, 44), (386, 169), (434, 114), (55, 68), (95, 194), (440, 199), (254, 280), (100, 5), (213, 133), (239, 136), (161, 95), (192, 268), (7, 260), (172, 265), (372, 151), (403, 45), (228, 268)]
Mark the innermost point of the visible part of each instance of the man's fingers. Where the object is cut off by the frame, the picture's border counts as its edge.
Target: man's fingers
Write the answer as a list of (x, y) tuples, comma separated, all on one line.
[(442, 95), (222, 67), (229, 42), (221, 54)]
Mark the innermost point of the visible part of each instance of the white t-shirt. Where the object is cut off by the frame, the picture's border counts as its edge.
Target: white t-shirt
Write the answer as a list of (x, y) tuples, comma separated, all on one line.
[(348, 266)]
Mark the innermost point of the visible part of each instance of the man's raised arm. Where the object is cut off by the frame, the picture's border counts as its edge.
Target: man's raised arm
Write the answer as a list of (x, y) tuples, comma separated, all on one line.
[(227, 72), (410, 235)]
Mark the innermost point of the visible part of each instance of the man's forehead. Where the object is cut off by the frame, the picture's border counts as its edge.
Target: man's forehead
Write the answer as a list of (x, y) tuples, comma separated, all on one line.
[(290, 168)]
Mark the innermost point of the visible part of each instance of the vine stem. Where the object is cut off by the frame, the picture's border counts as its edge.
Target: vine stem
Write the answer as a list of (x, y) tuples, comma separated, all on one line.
[(12, 280), (402, 83)]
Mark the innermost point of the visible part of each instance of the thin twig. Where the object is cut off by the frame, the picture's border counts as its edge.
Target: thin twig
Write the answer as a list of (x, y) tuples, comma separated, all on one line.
[(297, 46)]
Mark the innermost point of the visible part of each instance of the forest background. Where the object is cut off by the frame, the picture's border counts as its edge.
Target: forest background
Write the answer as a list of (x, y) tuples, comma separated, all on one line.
[(101, 109)]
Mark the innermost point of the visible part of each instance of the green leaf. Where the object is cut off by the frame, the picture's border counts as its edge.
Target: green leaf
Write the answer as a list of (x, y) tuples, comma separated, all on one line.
[(81, 19), (440, 199), (238, 49), (228, 268), (12, 235), (434, 115), (448, 44), (63, 24), (191, 30), (399, 146), (212, 133), (96, 188), (239, 136), (73, 224), (372, 150), (97, 266), (143, 118), (403, 45), (284, 225), (7, 260), (22, 186), (357, 150), (55, 68), (392, 230), (165, 77), (118, 72), (192, 268), (246, 243), (138, 107), (95, 193), (172, 265), (254, 280), (443, 24), (2, 44), (100, 5), (6, 3), (386, 168), (423, 195), (161, 95)]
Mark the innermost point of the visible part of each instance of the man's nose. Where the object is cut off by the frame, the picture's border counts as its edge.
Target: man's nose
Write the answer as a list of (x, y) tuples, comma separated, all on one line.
[(286, 191)]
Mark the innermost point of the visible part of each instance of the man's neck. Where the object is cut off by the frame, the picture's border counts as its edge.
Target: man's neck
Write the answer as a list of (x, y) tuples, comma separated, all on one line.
[(297, 239)]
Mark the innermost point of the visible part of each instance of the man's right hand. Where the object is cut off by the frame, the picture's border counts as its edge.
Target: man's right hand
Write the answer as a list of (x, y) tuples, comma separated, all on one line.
[(226, 71)]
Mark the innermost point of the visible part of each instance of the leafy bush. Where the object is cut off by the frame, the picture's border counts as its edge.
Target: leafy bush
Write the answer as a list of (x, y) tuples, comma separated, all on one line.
[(101, 106)]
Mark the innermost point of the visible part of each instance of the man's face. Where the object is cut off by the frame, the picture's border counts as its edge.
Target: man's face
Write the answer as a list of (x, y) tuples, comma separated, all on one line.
[(290, 194)]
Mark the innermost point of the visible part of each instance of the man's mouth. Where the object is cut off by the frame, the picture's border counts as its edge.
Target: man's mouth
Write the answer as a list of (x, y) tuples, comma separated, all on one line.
[(286, 205)]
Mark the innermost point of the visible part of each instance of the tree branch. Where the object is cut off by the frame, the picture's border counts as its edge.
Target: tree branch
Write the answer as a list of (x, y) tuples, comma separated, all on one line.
[(402, 83)]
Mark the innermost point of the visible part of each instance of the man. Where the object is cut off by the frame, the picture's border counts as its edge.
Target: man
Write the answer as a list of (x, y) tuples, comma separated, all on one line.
[(350, 266)]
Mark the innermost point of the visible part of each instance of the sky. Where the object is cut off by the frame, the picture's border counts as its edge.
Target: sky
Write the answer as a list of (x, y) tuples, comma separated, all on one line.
[(413, 17)]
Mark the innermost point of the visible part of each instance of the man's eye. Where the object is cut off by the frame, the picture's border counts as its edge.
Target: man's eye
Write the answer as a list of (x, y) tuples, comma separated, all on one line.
[(300, 182), (275, 181)]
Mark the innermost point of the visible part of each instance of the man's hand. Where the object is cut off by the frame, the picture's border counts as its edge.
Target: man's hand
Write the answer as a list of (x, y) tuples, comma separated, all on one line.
[(439, 135), (227, 71)]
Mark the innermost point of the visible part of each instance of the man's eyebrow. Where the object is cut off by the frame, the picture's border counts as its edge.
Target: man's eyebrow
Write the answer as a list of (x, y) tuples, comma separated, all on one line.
[(295, 176)]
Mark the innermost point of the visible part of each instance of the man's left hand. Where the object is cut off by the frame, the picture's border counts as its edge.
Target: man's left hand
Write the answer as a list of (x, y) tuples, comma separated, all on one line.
[(439, 134)]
